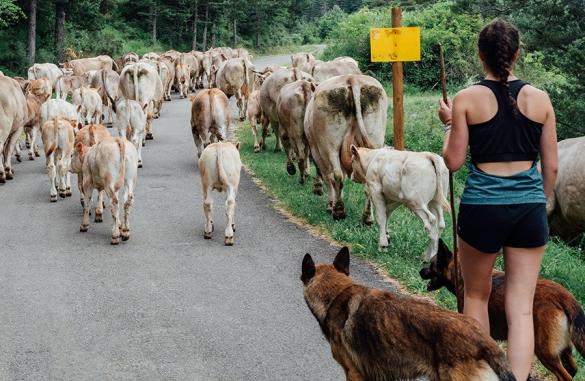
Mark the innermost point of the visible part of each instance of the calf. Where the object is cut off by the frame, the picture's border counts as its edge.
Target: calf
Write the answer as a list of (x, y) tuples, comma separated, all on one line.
[(37, 92), (416, 179), (255, 115), (66, 84), (87, 137), (291, 105), (131, 123), (89, 104), (58, 108), (57, 135), (210, 118), (109, 166), (183, 77), (219, 167)]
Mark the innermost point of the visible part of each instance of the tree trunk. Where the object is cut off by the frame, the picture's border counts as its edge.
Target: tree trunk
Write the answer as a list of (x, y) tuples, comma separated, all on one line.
[(235, 44), (257, 30), (154, 16), (194, 45), (205, 27), (31, 46), (60, 30), (213, 35)]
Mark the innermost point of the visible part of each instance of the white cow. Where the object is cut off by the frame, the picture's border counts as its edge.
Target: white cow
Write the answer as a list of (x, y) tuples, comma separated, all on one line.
[(417, 180), (45, 70), (111, 165), (60, 109), (131, 123), (89, 104), (57, 135), (219, 167)]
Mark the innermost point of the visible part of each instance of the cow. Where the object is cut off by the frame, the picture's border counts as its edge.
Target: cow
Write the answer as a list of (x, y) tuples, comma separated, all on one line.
[(66, 84), (210, 118), (418, 180), (107, 82), (45, 70), (129, 58), (60, 109), (268, 95), (183, 77), (141, 82), (168, 71), (151, 56), (241, 53), (87, 137), (291, 105), (204, 68), (235, 78), (83, 65), (110, 165), (345, 110), (89, 104), (565, 207), (217, 58), (220, 167), (255, 115), (324, 70), (23, 82), (131, 123), (57, 135), (37, 93), (303, 61), (13, 116), (193, 63)]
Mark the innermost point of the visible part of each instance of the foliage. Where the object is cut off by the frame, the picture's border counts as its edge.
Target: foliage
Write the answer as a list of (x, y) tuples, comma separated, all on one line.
[(9, 13)]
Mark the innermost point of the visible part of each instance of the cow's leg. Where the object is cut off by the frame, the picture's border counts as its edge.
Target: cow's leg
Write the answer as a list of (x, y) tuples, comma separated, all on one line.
[(276, 130), (18, 150), (253, 123), (265, 123), (381, 218), (99, 208), (149, 122), (80, 188), (128, 199), (113, 196), (318, 181), (208, 211), (110, 112), (241, 105), (367, 213), (137, 141), (198, 144), (230, 208), (337, 183), (98, 116), (290, 156), (8, 148), (51, 171), (34, 147), (86, 203), (62, 173), (430, 223), (68, 176)]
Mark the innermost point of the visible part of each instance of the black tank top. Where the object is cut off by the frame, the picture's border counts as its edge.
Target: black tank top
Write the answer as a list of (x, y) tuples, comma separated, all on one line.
[(505, 137)]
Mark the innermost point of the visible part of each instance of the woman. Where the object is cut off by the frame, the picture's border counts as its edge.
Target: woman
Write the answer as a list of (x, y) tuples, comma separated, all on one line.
[(507, 124)]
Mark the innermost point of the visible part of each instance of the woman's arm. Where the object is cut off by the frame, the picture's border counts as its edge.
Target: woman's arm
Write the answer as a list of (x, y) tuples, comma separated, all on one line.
[(456, 138), (548, 150)]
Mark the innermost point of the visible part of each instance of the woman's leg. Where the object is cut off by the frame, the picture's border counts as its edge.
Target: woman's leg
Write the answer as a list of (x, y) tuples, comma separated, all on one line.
[(522, 268), (476, 269)]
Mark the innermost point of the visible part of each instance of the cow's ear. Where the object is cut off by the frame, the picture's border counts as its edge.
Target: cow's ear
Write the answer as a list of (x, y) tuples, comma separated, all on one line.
[(444, 255), (341, 261), (238, 146), (308, 268), (78, 108), (354, 151), (313, 86), (79, 125), (145, 107)]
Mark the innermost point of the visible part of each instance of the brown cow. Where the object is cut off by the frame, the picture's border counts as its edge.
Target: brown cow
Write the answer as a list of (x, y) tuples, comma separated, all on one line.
[(13, 115), (345, 110), (303, 61), (268, 95), (38, 91), (235, 78), (57, 135), (66, 84), (255, 116), (183, 77), (291, 104), (210, 118)]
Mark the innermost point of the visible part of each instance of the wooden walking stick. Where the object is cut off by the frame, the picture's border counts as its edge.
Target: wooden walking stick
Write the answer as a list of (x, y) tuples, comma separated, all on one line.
[(458, 291)]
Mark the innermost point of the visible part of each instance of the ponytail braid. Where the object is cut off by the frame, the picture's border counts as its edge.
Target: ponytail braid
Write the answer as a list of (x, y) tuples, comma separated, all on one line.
[(498, 42)]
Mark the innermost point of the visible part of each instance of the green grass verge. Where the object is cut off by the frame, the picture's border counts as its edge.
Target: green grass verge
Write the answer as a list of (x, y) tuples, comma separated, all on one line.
[(407, 238)]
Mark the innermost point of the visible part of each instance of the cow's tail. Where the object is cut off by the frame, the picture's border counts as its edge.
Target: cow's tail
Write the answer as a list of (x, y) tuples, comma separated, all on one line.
[(112, 101), (91, 135), (440, 197), (220, 170), (363, 134), (246, 77), (213, 128), (122, 175), (578, 330), (135, 75), (54, 142)]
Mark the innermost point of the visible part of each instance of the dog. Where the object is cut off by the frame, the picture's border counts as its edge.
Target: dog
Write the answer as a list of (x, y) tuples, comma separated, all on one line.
[(559, 321), (376, 335)]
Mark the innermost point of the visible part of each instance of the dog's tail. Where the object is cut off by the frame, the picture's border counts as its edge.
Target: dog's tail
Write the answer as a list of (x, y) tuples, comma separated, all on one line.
[(439, 166), (578, 330), (500, 366)]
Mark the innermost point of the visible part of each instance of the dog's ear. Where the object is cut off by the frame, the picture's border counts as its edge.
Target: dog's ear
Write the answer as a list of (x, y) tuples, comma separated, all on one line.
[(341, 262), (308, 268), (444, 255)]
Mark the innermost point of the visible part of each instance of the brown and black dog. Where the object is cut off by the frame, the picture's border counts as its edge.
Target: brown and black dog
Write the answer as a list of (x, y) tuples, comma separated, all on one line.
[(376, 335), (559, 321)]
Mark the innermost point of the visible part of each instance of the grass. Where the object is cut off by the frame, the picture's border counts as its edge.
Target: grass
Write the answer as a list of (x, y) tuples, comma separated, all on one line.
[(407, 238)]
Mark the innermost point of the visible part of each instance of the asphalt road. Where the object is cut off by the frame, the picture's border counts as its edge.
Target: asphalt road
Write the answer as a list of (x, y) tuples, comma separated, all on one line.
[(167, 304)]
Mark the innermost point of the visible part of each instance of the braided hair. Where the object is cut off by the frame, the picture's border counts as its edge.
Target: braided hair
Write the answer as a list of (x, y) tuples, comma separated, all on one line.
[(498, 42)]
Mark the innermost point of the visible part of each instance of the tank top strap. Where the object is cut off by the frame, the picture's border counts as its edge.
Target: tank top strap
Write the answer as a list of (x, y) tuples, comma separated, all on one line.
[(516, 86), (498, 92)]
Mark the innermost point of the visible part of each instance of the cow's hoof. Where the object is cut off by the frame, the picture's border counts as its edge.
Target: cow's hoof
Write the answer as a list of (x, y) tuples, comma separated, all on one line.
[(9, 176), (229, 241), (149, 136), (99, 218), (383, 249), (2, 180), (290, 168), (339, 211), (62, 194), (37, 154), (207, 235), (115, 240), (125, 236), (318, 191), (53, 198), (27, 145), (277, 149), (257, 149), (143, 143), (140, 165), (242, 118), (68, 193), (84, 228), (366, 220), (18, 158), (31, 157), (234, 227)]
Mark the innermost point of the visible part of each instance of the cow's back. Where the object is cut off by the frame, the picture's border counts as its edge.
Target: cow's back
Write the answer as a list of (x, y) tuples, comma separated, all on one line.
[(13, 105)]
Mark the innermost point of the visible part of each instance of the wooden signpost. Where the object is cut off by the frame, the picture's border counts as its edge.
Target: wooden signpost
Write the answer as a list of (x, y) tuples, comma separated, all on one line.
[(396, 45)]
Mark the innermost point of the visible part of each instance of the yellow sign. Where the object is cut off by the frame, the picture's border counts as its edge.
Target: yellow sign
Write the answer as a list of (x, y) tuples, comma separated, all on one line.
[(395, 44)]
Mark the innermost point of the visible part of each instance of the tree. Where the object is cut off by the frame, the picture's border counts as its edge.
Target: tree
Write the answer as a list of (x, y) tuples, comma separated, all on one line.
[(31, 46), (60, 29)]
